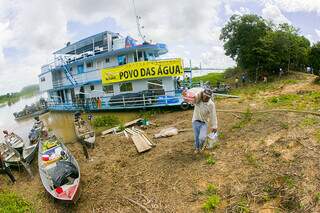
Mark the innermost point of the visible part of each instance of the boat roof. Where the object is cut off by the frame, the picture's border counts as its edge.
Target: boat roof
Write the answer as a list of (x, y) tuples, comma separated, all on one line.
[(97, 38)]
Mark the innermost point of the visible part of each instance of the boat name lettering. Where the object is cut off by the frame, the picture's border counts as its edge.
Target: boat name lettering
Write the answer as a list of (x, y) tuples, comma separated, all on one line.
[(141, 70)]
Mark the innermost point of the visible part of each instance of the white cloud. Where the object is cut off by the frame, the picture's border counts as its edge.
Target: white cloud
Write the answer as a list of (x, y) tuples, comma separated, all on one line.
[(38, 27), (317, 32), (242, 10), (297, 5), (273, 13)]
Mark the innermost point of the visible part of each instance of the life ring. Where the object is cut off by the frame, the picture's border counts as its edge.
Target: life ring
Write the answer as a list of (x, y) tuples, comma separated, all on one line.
[(184, 105)]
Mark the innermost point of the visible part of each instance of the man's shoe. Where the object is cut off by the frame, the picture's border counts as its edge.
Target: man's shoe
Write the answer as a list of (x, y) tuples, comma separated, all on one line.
[(196, 151)]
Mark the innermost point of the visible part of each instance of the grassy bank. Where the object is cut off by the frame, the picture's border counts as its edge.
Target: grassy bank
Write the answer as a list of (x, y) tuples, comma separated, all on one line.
[(11, 202), (27, 91), (213, 78)]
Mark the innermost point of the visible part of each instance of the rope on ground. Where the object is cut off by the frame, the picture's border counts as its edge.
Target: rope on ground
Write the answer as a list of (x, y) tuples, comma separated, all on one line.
[(273, 110), (138, 204)]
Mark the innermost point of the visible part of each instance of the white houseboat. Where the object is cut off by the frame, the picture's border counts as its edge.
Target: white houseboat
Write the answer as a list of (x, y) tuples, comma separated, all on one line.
[(108, 71)]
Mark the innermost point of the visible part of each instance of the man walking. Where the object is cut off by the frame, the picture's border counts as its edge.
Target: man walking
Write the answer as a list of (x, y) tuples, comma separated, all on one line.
[(204, 111)]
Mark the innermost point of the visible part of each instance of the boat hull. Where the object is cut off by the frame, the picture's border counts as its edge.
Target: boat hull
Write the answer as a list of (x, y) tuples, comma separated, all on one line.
[(72, 193)]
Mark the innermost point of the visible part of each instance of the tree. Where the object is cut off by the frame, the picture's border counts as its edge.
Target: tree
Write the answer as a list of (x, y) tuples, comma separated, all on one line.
[(260, 47), (241, 35), (314, 57)]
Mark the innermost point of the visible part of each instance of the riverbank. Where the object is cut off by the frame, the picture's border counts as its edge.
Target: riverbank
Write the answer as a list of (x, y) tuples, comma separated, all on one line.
[(265, 160), (26, 92)]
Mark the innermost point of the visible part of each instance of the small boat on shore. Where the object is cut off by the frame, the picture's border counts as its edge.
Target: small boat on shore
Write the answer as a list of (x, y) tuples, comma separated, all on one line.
[(19, 116), (84, 131), (34, 110), (59, 170), (13, 158), (13, 140)]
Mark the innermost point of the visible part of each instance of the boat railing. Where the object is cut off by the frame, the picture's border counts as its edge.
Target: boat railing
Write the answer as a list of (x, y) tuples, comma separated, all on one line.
[(125, 102)]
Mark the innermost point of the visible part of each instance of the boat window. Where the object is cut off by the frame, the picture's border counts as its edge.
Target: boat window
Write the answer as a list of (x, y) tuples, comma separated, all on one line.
[(108, 88), (107, 60), (89, 64), (122, 59), (126, 87), (92, 87), (80, 69), (155, 84), (42, 79)]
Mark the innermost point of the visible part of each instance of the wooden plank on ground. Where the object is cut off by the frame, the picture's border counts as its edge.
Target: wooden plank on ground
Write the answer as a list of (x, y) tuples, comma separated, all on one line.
[(125, 125), (140, 143)]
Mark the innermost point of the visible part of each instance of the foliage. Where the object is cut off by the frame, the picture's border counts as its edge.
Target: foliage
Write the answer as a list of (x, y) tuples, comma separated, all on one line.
[(306, 101), (211, 189), (106, 121), (10, 202), (213, 199), (210, 160), (262, 48), (212, 202), (25, 92), (314, 57)]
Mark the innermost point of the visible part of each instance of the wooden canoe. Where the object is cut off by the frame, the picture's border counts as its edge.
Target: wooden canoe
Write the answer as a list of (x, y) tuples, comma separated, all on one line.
[(60, 174), (14, 141), (84, 132)]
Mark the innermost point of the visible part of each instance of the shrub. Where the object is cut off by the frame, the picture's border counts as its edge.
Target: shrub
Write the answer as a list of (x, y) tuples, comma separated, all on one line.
[(106, 121)]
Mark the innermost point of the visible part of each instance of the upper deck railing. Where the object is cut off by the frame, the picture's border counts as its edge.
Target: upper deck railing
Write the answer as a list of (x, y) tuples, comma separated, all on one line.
[(74, 58)]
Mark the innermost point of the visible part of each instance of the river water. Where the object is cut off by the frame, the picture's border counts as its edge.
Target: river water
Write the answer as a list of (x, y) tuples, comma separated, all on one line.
[(60, 122)]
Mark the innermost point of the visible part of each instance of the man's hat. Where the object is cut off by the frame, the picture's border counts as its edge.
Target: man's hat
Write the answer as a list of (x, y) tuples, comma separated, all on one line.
[(207, 92)]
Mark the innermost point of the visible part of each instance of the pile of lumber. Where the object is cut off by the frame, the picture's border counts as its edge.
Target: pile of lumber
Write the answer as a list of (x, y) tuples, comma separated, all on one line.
[(115, 129), (139, 138)]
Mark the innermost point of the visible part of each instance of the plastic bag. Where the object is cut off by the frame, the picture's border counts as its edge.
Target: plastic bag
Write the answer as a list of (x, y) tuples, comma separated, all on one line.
[(212, 139)]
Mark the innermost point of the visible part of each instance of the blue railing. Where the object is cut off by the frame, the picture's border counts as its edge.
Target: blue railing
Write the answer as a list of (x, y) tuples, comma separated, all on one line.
[(109, 103)]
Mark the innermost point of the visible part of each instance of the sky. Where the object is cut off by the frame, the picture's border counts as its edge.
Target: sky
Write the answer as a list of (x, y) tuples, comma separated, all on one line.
[(30, 31)]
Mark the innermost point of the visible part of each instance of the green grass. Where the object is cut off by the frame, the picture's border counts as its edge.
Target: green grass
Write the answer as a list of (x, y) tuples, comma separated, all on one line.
[(213, 199), (251, 159), (213, 78), (306, 101), (210, 160), (106, 121), (308, 121), (289, 182), (242, 206), (245, 119), (317, 197), (251, 89), (211, 189), (12, 203), (211, 203)]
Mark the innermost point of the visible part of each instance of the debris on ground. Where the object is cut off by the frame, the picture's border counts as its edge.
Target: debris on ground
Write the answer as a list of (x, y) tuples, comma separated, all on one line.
[(168, 132)]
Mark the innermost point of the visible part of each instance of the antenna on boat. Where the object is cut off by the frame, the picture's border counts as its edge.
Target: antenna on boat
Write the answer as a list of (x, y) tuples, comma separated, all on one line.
[(139, 27)]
